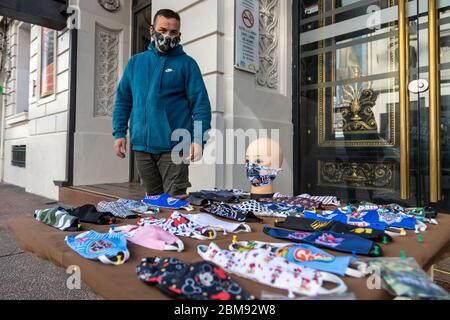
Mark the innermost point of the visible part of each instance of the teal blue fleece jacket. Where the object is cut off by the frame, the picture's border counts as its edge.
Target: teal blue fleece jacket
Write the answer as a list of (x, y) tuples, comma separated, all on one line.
[(158, 94)]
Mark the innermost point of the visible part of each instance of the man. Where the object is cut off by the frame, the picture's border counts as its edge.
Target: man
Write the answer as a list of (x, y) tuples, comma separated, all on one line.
[(162, 90)]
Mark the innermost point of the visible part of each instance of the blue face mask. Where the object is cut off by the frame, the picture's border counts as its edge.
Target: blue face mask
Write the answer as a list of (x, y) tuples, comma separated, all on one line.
[(337, 215), (329, 240), (165, 201), (390, 219), (315, 258), (260, 176), (106, 247)]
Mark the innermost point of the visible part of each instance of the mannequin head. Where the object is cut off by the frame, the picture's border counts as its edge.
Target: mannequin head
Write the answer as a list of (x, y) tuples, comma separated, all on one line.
[(267, 153)]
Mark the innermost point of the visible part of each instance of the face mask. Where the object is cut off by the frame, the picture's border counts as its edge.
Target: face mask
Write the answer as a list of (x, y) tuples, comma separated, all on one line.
[(216, 195), (166, 43), (260, 176), (207, 220), (180, 225), (262, 266), (310, 225), (303, 254), (231, 212), (390, 219), (405, 278), (119, 208), (323, 200), (197, 281), (89, 214), (329, 240), (58, 218), (165, 201), (338, 215), (151, 237), (106, 247), (269, 209), (304, 203)]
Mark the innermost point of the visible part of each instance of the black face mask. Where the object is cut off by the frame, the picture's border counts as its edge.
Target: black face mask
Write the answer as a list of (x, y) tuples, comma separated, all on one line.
[(310, 225), (186, 281)]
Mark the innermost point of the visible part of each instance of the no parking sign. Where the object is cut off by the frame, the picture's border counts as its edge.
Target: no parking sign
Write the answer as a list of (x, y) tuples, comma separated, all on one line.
[(247, 35)]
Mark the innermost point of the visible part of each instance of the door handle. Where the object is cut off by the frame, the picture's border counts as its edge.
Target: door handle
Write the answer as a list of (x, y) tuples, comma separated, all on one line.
[(403, 31)]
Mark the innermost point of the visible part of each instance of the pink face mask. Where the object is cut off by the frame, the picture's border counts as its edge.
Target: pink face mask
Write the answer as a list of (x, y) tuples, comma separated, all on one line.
[(151, 237)]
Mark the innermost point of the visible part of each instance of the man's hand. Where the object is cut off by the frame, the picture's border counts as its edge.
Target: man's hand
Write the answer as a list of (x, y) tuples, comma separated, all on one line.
[(120, 147), (195, 152)]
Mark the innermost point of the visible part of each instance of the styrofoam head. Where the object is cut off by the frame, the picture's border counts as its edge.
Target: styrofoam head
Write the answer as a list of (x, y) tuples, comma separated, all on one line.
[(265, 152)]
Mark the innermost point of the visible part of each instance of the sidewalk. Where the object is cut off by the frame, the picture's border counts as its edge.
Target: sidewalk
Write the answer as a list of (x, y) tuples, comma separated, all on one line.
[(22, 275)]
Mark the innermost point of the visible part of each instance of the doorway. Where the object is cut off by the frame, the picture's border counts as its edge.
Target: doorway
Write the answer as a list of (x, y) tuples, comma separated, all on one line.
[(372, 100)]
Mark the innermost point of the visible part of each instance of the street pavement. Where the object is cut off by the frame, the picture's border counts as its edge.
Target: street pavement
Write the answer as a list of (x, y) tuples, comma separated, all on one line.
[(23, 276)]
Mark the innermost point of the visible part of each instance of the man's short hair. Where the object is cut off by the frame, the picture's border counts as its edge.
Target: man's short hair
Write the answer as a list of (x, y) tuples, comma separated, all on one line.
[(168, 14)]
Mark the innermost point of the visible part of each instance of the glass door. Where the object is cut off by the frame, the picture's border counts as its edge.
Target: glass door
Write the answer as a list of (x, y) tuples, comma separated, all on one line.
[(364, 101)]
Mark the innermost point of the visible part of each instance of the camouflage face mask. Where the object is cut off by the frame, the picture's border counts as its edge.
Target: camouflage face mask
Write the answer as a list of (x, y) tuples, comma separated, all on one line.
[(166, 43)]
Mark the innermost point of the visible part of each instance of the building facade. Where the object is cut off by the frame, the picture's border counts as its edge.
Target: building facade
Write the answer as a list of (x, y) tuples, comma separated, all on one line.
[(358, 91), (107, 37)]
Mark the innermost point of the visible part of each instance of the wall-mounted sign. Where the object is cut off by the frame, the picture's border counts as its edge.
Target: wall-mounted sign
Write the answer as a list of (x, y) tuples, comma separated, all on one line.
[(247, 35), (48, 66)]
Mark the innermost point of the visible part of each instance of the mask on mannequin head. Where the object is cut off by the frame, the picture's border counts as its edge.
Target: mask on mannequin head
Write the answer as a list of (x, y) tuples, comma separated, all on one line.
[(260, 176), (263, 159)]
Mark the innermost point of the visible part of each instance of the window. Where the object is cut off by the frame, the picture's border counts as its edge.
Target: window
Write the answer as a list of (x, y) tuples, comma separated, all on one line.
[(19, 156)]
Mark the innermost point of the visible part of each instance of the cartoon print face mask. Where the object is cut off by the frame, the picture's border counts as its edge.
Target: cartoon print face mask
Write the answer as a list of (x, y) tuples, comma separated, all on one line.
[(151, 237), (197, 281), (207, 220), (260, 176), (262, 266), (329, 240), (303, 254), (390, 219), (165, 43), (352, 220), (180, 225), (106, 247)]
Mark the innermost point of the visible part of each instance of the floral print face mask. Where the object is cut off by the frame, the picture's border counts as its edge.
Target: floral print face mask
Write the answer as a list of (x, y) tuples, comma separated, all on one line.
[(260, 176)]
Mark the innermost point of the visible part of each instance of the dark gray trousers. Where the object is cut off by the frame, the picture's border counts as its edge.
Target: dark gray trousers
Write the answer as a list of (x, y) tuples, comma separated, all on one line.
[(160, 175)]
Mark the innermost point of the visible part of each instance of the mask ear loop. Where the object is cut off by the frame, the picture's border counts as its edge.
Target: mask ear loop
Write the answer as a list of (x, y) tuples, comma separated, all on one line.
[(420, 226), (328, 277), (178, 247), (243, 227), (201, 250), (106, 260), (208, 230)]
